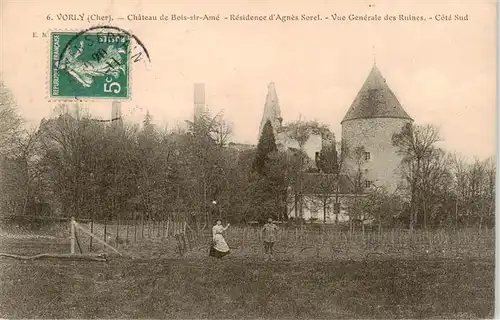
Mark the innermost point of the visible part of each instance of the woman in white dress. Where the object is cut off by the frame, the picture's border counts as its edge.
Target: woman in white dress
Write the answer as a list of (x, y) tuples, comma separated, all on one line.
[(219, 248)]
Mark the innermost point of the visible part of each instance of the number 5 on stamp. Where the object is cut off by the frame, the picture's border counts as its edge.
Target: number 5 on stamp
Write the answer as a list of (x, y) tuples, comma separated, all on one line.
[(89, 65)]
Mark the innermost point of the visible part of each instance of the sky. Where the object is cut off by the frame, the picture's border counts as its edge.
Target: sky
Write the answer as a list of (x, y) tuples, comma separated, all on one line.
[(442, 72)]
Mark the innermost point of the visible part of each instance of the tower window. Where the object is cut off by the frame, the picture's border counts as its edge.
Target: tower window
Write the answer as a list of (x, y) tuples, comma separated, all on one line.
[(367, 155), (316, 156), (336, 208), (314, 212)]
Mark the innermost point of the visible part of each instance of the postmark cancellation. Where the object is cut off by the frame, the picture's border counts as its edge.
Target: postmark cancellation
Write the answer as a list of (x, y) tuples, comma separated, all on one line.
[(91, 64)]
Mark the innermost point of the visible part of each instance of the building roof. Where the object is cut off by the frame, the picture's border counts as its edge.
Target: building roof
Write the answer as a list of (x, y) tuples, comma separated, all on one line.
[(375, 100), (320, 183)]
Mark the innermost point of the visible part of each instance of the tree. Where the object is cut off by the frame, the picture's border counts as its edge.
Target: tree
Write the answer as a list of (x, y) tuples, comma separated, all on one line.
[(10, 121), (490, 189), (63, 147), (291, 164), (222, 130), (26, 152), (416, 144), (267, 176), (279, 176), (459, 175), (357, 176), (87, 166), (381, 206), (434, 188), (265, 146), (204, 162), (328, 165), (339, 170), (473, 189), (327, 161), (151, 171), (13, 168), (17, 151), (324, 190), (480, 190), (301, 131)]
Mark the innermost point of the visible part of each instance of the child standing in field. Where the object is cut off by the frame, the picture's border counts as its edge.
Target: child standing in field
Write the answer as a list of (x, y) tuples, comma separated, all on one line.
[(219, 247), (269, 235)]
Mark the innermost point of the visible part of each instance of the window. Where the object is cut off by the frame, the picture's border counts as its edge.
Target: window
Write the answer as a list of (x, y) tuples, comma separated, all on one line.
[(316, 157), (314, 212), (368, 183), (367, 155), (336, 208)]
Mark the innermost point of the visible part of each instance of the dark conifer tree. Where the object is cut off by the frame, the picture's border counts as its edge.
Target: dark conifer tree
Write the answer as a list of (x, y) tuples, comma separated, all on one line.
[(327, 161), (266, 145)]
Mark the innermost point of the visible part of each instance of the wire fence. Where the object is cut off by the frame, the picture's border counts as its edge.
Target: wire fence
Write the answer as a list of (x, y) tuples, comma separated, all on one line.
[(301, 242), (176, 237)]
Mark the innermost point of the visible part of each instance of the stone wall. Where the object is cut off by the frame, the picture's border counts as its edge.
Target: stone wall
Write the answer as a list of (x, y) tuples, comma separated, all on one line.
[(375, 135)]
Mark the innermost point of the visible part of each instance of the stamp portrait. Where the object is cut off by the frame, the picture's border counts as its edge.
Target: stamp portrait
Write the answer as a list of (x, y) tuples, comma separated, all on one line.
[(89, 65)]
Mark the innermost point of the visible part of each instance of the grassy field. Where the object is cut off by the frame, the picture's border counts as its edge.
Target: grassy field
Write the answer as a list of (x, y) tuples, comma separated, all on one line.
[(153, 281)]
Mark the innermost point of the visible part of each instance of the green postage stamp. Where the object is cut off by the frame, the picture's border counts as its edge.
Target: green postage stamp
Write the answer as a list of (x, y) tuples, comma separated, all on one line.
[(89, 65)]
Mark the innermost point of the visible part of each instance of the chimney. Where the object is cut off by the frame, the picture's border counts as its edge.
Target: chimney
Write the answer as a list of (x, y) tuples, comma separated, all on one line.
[(199, 99), (116, 114), (116, 111)]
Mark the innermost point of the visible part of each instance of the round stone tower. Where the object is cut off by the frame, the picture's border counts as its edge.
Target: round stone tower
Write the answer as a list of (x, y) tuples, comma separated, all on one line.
[(373, 118)]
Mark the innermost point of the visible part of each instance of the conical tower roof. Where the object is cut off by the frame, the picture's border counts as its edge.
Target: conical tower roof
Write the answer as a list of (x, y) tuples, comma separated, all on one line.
[(375, 100), (272, 110)]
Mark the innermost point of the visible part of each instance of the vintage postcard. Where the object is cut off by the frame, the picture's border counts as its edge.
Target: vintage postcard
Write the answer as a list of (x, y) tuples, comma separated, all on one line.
[(248, 159)]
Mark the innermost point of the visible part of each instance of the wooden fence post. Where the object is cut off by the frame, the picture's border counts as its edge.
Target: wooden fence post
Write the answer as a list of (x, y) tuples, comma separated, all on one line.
[(91, 229), (158, 228), (74, 224), (346, 243), (149, 227), (243, 238), (296, 236), (135, 227), (286, 239), (323, 237), (392, 237), (117, 229), (142, 226), (127, 221), (163, 227), (187, 243), (105, 228), (72, 235)]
